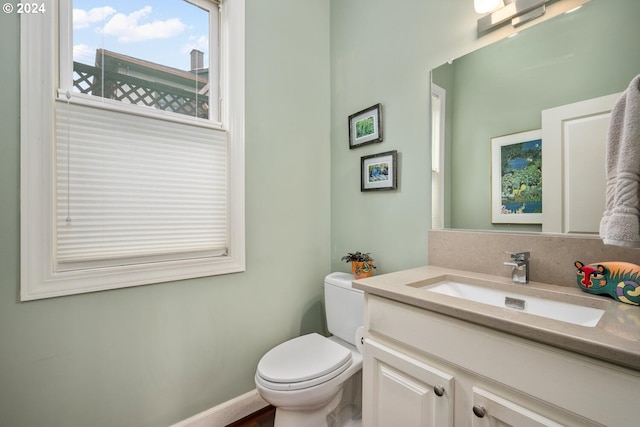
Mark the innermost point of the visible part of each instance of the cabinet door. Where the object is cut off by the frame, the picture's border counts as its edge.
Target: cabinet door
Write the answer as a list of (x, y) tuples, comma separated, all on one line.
[(490, 410), (399, 391)]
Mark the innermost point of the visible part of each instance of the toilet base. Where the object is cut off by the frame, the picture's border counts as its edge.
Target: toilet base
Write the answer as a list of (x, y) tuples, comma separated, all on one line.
[(313, 418), (344, 410)]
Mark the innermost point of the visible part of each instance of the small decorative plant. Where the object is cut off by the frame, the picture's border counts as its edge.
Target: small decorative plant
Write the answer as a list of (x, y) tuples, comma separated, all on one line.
[(361, 264)]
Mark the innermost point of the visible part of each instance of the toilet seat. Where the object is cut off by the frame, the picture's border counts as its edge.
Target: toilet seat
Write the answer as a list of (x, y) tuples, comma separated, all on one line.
[(302, 362)]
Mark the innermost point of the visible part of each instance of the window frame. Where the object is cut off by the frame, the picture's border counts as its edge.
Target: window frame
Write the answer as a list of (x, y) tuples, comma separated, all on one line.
[(40, 64), (438, 146)]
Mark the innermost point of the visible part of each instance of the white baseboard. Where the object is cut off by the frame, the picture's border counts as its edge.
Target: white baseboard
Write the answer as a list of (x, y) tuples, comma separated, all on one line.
[(227, 412)]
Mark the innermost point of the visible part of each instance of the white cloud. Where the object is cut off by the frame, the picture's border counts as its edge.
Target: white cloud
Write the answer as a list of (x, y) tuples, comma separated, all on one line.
[(128, 29), (201, 43), (83, 18), (83, 53)]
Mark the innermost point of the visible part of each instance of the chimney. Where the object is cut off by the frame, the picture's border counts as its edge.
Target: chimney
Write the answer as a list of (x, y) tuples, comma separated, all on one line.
[(197, 59)]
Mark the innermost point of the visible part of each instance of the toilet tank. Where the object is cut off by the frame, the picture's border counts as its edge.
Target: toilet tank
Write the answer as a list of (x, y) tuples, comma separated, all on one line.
[(344, 306)]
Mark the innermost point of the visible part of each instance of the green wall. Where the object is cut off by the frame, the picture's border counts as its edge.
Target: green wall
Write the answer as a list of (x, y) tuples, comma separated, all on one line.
[(501, 89), (369, 47), (382, 52), (157, 354)]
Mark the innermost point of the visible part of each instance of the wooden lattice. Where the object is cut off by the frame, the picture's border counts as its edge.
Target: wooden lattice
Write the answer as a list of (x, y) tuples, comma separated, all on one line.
[(133, 90)]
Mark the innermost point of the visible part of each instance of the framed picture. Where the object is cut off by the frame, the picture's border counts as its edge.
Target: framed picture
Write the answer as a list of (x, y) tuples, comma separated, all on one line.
[(516, 178), (379, 171), (365, 127)]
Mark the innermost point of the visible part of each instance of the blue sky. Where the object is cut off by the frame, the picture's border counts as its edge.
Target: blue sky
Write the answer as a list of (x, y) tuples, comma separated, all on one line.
[(159, 31)]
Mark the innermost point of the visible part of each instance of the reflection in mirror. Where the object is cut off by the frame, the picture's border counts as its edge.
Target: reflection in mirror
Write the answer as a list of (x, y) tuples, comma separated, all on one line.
[(503, 88), (437, 155)]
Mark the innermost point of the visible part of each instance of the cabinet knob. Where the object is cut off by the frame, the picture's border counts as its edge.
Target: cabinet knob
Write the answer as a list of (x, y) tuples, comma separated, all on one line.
[(479, 411), (438, 390)]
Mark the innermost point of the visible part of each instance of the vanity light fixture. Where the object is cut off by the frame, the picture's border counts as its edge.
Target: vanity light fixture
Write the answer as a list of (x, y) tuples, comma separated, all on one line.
[(518, 11), (485, 6)]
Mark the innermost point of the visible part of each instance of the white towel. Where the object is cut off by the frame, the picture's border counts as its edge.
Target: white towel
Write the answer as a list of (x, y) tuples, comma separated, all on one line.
[(620, 224)]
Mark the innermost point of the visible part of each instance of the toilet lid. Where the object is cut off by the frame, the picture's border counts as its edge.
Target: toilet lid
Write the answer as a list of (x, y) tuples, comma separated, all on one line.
[(304, 358)]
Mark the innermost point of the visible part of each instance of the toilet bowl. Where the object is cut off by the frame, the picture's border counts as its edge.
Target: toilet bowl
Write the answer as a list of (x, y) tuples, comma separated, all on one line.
[(305, 377)]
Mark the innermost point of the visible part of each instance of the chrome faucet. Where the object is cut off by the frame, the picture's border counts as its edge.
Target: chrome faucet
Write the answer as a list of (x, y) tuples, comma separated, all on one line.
[(520, 263)]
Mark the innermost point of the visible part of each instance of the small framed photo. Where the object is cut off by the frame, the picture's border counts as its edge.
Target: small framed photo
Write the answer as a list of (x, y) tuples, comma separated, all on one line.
[(379, 171), (365, 127), (516, 178)]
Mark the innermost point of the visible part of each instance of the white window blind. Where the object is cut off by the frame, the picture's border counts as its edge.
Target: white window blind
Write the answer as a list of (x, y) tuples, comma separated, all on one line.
[(138, 190)]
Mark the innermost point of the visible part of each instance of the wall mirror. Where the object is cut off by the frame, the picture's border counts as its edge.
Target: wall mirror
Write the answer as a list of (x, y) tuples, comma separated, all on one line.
[(503, 88)]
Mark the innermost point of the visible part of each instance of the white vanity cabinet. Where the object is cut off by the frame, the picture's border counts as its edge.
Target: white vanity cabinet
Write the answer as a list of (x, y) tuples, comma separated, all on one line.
[(426, 369), (404, 391)]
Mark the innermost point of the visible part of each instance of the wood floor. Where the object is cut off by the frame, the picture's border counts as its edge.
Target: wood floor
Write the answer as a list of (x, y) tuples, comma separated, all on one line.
[(262, 418)]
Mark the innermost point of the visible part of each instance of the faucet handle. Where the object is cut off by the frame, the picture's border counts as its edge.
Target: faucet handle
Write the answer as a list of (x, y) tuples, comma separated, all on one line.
[(519, 256)]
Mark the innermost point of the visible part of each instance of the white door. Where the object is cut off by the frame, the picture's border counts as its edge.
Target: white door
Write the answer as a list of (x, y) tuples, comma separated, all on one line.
[(399, 391), (573, 165)]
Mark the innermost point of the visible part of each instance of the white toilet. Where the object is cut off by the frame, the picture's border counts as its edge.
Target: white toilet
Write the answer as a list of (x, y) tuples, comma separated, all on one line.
[(308, 378)]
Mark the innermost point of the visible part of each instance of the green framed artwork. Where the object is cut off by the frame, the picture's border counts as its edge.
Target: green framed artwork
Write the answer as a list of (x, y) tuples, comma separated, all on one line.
[(365, 127), (516, 178)]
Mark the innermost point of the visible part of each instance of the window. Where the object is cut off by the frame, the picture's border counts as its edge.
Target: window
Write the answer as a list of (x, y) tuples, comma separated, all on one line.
[(134, 171), (161, 55)]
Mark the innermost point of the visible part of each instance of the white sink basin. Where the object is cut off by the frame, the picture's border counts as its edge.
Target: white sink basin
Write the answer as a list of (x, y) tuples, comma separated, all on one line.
[(565, 312)]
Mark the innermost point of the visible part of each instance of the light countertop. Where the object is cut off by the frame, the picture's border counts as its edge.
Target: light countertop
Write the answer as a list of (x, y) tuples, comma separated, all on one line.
[(615, 339)]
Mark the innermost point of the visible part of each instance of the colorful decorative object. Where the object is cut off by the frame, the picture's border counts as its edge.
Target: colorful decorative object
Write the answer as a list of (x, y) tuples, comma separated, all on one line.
[(620, 280)]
